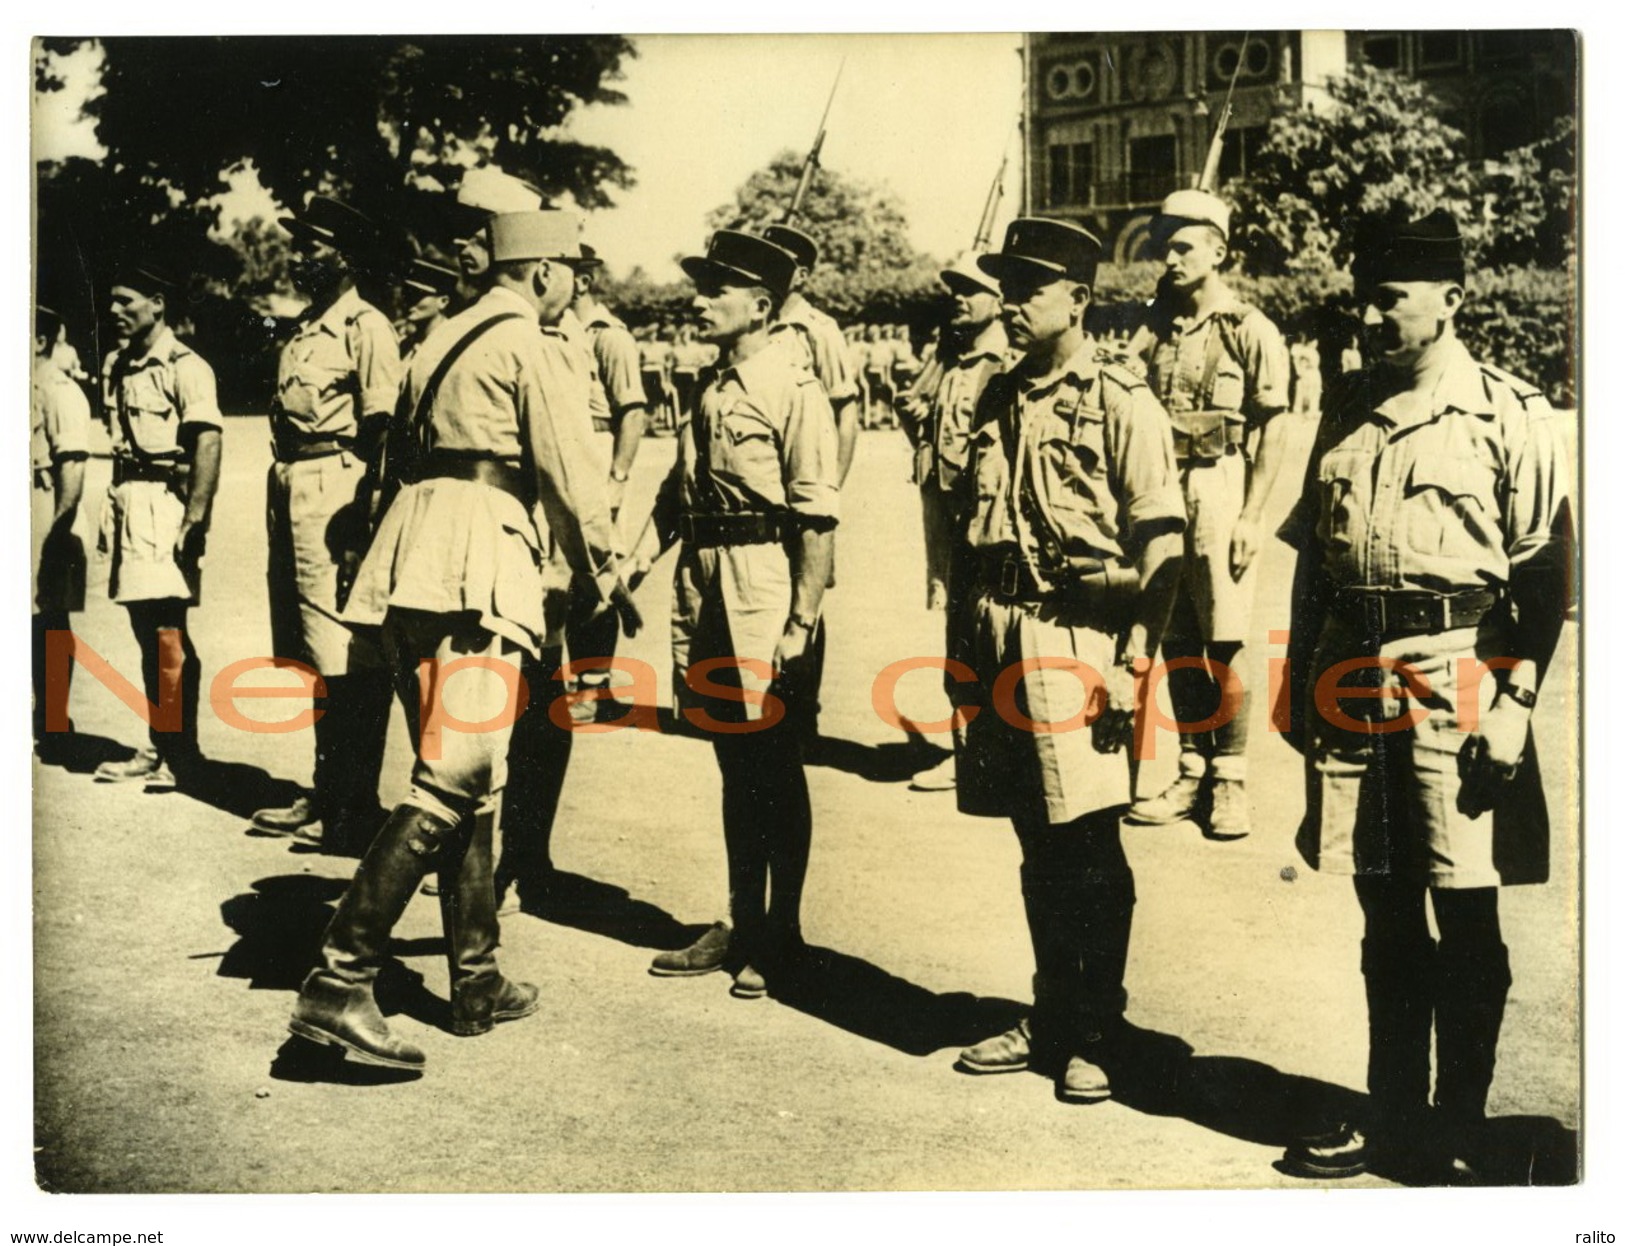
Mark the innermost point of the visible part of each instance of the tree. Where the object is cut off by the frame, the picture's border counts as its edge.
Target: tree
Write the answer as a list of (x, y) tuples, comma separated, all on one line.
[(866, 264), (1377, 149)]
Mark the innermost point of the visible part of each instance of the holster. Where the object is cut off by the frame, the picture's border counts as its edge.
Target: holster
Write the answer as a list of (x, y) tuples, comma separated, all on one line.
[(1207, 436)]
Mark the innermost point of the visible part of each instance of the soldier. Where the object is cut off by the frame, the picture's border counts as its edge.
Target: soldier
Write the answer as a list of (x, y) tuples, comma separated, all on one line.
[(1074, 536), (429, 288), (937, 417), (60, 439), (166, 467), (337, 383), (1221, 370), (877, 356), (619, 408), (654, 365), (454, 577), (1434, 534), (754, 497)]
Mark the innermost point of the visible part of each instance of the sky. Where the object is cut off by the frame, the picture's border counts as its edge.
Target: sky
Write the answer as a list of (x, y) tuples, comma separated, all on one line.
[(929, 115)]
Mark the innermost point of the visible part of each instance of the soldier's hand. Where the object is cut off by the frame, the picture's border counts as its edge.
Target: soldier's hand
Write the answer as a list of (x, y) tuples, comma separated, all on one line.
[(189, 543), (792, 647), (620, 600), (1113, 730), (1490, 756), (1243, 546)]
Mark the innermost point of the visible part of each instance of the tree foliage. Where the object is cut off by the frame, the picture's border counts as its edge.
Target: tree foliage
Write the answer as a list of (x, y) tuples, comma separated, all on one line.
[(867, 267)]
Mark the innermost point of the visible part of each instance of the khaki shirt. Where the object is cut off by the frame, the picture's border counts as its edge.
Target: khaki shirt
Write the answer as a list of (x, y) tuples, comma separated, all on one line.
[(1197, 363), (1070, 465), (616, 363), (947, 393), (61, 418), (1452, 493), (155, 393), (339, 367), (821, 347)]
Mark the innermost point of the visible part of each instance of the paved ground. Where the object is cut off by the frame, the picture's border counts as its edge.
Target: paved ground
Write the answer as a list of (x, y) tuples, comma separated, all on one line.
[(168, 943)]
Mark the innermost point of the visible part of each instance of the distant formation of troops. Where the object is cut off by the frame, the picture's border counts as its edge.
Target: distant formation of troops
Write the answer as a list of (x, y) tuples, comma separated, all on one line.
[(451, 502)]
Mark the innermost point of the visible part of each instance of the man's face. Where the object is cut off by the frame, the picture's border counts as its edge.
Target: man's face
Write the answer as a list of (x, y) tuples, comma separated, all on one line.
[(725, 312), (316, 267), (1038, 305), (426, 308), (473, 256), (581, 291), (1191, 254), (134, 313), (555, 287), (1399, 320), (973, 307)]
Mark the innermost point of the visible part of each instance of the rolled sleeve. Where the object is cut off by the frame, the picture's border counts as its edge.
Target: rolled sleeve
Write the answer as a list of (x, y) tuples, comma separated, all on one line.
[(811, 456), (619, 368), (1268, 367), (377, 363), (195, 394), (67, 424), (830, 363), (1537, 516), (1142, 457)]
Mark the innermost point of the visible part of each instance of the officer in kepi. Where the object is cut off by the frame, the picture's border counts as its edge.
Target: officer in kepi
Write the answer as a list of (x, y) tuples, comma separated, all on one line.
[(1075, 522), (428, 291), (166, 467), (1220, 368), (754, 499), (454, 578), (1434, 540), (337, 383)]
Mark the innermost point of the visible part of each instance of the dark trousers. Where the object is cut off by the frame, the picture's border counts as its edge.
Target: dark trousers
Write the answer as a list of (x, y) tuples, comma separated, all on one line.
[(590, 639), (1078, 889), (1415, 989), (44, 622), (159, 663), (767, 828), (538, 758)]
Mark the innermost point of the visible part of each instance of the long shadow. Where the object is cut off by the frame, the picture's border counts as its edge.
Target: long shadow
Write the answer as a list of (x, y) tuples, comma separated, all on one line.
[(602, 908), (79, 752)]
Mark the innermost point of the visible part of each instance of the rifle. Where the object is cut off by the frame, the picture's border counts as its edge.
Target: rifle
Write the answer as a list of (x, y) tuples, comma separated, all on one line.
[(995, 193), (811, 163), (1209, 181)]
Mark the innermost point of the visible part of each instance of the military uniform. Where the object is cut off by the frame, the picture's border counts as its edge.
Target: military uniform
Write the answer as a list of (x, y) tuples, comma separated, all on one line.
[(337, 383), (1069, 474), (1433, 530), (757, 465), (1222, 373), (157, 392), (60, 434), (456, 571)]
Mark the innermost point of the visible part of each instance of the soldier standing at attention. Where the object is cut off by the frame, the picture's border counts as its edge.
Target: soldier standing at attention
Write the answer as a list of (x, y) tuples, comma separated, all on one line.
[(1434, 537), (455, 573), (1221, 370), (60, 438), (429, 290), (937, 417), (1074, 534), (166, 466), (754, 498), (337, 384)]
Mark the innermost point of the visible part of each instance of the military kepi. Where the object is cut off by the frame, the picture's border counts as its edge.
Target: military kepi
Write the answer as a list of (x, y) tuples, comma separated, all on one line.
[(334, 222), (1056, 247), (426, 278), (543, 235), (737, 257), (1429, 249), (795, 242), (144, 275)]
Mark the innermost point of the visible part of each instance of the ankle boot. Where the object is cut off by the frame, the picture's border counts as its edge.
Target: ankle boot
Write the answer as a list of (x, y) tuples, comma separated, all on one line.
[(480, 995), (1473, 986), (336, 1003)]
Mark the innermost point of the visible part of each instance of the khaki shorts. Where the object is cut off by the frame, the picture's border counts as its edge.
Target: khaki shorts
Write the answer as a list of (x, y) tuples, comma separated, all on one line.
[(1214, 494), (140, 525)]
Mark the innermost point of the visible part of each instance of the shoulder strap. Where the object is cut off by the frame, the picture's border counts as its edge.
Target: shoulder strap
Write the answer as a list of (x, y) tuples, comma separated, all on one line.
[(418, 417)]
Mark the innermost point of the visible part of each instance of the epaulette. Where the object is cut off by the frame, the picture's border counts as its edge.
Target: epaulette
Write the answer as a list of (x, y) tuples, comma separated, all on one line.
[(1122, 376), (1522, 390)]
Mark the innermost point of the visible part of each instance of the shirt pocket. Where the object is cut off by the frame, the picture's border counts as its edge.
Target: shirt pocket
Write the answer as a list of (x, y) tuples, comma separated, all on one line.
[(1450, 509), (1072, 473), (746, 450)]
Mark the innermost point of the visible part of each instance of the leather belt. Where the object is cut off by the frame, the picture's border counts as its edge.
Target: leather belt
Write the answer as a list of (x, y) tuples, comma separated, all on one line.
[(166, 472), (1006, 576), (481, 469), (1391, 612), (734, 528), (294, 449)]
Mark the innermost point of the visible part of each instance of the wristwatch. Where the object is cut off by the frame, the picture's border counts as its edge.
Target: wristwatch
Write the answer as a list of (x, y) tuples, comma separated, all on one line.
[(807, 625), (1519, 696)]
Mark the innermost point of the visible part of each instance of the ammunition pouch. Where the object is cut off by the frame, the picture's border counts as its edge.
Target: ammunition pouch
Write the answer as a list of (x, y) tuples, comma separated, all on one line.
[(1207, 436), (1104, 589)]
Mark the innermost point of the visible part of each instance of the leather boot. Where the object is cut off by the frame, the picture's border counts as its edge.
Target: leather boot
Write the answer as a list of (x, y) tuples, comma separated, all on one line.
[(480, 995), (336, 1003), (1399, 987), (1472, 994)]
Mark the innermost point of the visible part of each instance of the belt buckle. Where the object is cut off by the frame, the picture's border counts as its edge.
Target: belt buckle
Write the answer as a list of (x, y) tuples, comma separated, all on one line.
[(1010, 578), (1444, 613)]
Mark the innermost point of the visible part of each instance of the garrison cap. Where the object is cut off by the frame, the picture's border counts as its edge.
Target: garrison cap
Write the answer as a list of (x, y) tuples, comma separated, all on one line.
[(426, 278), (336, 223), (541, 234), (735, 257), (144, 275), (965, 275), (1194, 207), (1059, 248), (1429, 249), (795, 242)]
